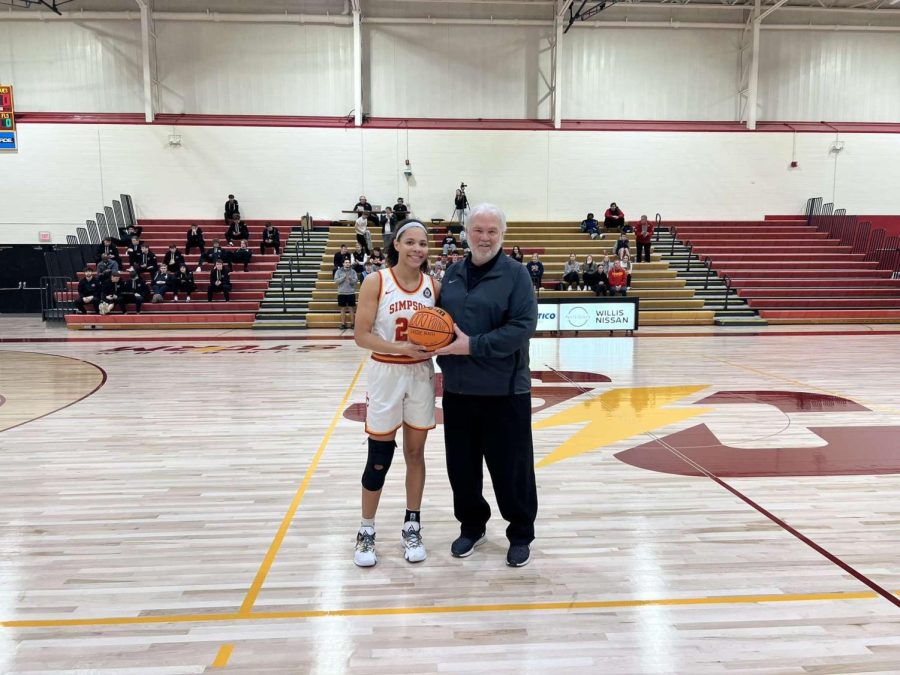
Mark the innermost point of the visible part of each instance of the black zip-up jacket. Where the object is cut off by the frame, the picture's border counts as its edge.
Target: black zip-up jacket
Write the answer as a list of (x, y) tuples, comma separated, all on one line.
[(271, 236), (89, 287), (499, 315)]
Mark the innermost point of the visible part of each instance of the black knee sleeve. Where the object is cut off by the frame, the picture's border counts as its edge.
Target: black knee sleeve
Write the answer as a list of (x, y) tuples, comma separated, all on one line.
[(381, 454)]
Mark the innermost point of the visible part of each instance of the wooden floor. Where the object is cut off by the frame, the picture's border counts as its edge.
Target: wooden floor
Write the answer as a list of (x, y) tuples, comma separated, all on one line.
[(188, 504)]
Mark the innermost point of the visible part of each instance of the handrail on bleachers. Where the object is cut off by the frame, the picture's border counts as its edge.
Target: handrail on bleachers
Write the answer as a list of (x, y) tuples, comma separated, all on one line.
[(874, 244)]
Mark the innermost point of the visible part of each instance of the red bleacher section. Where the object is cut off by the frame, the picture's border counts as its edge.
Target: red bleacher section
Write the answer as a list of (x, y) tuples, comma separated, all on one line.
[(248, 288), (791, 273)]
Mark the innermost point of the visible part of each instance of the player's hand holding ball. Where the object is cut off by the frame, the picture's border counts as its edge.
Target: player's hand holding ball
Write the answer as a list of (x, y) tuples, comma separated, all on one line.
[(412, 349), (434, 329)]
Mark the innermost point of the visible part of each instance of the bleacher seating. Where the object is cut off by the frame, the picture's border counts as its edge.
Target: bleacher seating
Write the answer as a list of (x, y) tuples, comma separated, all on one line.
[(248, 288), (665, 299), (790, 272)]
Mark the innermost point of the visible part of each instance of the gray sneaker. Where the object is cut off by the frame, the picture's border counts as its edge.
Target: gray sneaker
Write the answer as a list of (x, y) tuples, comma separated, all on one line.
[(518, 555), (465, 546)]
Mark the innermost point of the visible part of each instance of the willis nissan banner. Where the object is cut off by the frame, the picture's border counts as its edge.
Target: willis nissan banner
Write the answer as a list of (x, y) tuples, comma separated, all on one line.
[(588, 314)]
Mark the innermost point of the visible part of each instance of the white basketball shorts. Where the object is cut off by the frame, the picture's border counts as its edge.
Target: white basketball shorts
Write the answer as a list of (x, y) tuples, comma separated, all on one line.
[(398, 394)]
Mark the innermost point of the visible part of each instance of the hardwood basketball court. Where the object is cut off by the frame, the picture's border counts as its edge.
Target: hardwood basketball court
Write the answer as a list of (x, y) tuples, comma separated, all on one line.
[(709, 502)]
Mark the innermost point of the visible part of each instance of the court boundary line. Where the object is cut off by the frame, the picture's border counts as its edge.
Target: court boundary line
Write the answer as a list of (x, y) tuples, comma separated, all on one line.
[(239, 617), (272, 552), (104, 377), (856, 574)]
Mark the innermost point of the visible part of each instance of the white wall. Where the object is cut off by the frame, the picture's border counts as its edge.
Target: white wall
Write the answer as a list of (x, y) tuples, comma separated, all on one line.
[(64, 173), (458, 71), (828, 76), (254, 69), (651, 74), (449, 71), (93, 66)]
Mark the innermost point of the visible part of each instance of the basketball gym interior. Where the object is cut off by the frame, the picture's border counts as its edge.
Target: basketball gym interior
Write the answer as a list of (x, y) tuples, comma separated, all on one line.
[(716, 445)]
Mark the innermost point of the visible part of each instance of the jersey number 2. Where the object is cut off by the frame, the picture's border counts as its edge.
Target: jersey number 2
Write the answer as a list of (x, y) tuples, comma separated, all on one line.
[(401, 326)]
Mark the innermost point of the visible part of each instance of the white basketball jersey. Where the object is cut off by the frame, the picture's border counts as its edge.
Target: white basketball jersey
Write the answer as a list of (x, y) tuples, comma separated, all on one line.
[(396, 305)]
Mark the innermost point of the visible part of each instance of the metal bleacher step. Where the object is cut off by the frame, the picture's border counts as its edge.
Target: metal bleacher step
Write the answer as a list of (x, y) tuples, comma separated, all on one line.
[(753, 321), (706, 284), (287, 299)]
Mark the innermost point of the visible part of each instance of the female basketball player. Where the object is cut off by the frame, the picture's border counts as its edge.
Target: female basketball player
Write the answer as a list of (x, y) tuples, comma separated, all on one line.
[(401, 383)]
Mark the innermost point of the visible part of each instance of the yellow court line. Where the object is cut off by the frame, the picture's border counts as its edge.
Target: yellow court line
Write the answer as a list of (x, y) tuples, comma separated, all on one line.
[(239, 617), (222, 657), (260, 579)]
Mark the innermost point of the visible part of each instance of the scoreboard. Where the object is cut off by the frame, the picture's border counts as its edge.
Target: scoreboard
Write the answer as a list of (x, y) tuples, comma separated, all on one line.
[(8, 140)]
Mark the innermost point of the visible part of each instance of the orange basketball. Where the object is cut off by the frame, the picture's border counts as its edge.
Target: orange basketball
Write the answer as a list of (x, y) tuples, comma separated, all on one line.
[(430, 327)]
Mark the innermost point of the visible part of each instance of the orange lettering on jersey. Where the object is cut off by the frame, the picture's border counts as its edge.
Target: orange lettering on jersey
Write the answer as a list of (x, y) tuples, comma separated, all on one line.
[(404, 305)]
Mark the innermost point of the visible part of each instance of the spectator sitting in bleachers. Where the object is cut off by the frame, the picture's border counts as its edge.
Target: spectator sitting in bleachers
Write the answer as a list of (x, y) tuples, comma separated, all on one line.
[(368, 269), (448, 245), (516, 254), (591, 272), (133, 290), (644, 238), (126, 235), (572, 273), (362, 207), (195, 239), (231, 207), (271, 238), (346, 279), (110, 249), (163, 281), (112, 294), (358, 258), (219, 282), (173, 258), (105, 267), (591, 226), (536, 270), (184, 282), (437, 270), (464, 240), (340, 257), (237, 229), (618, 279), (89, 289), (215, 254), (401, 210), (242, 254), (622, 245), (133, 250), (377, 258), (145, 261), (614, 218)]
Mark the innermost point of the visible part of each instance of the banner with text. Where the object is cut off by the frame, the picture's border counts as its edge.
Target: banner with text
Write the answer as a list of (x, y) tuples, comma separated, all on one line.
[(588, 314)]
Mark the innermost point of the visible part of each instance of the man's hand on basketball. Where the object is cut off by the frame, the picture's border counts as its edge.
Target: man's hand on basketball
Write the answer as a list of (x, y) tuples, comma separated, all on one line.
[(459, 347)]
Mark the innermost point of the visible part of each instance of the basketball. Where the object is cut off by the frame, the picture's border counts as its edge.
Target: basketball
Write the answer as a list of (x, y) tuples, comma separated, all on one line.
[(430, 327)]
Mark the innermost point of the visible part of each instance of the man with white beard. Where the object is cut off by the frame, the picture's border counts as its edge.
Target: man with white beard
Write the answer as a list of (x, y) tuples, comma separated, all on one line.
[(487, 388)]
